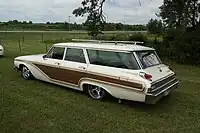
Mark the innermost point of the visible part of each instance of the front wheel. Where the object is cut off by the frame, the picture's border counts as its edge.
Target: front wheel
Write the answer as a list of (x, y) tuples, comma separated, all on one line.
[(26, 73), (96, 92)]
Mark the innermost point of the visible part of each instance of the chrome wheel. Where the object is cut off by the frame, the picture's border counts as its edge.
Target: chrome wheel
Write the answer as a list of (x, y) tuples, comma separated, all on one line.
[(96, 92), (26, 74)]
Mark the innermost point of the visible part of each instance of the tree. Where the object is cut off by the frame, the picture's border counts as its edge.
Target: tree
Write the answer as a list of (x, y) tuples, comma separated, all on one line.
[(180, 13), (48, 23), (24, 22), (155, 26), (182, 37), (95, 19), (15, 22)]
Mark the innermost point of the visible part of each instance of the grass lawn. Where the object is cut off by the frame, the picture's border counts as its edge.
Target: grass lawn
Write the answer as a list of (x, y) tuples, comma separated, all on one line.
[(38, 107)]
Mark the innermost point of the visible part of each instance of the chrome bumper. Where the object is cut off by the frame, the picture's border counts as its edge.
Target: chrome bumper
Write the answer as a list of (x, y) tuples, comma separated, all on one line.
[(154, 97)]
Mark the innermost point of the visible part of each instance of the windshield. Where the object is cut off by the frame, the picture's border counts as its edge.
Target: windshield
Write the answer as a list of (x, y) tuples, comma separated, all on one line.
[(148, 58)]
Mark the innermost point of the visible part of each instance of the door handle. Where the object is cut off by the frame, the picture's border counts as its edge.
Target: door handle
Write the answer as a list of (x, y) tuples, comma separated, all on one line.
[(82, 67)]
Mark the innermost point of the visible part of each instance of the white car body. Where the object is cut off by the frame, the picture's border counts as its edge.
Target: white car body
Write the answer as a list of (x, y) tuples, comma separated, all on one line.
[(1, 50), (121, 83)]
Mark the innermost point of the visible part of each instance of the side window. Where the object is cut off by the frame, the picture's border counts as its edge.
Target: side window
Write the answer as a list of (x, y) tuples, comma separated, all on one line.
[(113, 59), (75, 55), (56, 53)]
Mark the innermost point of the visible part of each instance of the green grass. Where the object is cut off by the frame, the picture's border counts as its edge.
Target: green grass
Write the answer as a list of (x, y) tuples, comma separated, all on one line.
[(38, 107)]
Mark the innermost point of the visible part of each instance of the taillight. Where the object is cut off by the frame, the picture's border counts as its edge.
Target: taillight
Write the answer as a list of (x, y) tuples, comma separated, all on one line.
[(146, 76)]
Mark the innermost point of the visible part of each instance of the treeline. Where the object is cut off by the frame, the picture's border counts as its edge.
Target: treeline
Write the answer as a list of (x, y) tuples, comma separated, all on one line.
[(180, 30), (29, 25)]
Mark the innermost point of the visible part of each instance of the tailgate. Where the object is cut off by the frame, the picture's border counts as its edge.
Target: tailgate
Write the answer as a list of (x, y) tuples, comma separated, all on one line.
[(159, 72)]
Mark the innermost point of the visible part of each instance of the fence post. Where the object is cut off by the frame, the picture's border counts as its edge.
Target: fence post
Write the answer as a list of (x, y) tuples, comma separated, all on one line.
[(42, 35), (20, 46), (5, 33), (23, 38), (23, 35), (46, 47)]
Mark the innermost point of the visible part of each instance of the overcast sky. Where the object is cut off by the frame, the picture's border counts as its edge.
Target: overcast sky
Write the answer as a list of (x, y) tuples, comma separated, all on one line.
[(59, 10)]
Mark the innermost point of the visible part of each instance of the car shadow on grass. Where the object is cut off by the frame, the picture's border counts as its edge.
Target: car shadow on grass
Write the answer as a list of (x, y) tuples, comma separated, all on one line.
[(163, 103), (167, 103)]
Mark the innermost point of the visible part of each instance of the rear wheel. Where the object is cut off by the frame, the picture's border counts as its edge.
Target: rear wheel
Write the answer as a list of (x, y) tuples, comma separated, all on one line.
[(96, 92), (26, 73)]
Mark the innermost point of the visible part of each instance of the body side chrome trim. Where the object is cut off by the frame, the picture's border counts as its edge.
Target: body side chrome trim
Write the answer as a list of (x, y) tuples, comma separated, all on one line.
[(78, 85), (88, 72), (109, 83)]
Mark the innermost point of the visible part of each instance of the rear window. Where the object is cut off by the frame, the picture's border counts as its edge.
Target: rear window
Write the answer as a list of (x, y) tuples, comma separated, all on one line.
[(113, 59), (148, 58)]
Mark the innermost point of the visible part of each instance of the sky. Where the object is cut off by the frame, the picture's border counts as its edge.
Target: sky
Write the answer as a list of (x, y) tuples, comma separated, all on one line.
[(124, 11)]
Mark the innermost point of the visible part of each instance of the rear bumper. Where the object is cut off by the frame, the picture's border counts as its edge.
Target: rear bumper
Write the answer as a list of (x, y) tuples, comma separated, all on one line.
[(153, 98)]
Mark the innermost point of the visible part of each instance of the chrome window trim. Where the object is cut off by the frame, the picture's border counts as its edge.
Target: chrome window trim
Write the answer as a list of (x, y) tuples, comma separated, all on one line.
[(79, 49), (138, 60), (127, 52)]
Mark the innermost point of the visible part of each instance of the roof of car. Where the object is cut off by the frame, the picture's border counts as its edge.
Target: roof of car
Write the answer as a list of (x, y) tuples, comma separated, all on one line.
[(105, 46)]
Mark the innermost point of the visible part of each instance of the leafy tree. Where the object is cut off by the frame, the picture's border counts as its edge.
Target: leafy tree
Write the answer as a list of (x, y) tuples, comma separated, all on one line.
[(95, 15), (155, 26), (15, 22), (180, 13), (48, 23), (24, 22), (182, 38), (95, 19)]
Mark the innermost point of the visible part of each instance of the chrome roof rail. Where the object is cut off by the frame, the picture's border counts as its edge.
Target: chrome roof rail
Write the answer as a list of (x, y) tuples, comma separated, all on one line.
[(104, 41)]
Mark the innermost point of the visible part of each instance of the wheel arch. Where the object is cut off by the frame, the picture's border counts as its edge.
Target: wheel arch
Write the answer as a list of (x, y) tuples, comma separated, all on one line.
[(21, 64), (95, 83)]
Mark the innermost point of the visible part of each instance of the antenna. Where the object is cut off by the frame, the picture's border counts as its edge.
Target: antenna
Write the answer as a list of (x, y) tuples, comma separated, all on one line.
[(104, 41)]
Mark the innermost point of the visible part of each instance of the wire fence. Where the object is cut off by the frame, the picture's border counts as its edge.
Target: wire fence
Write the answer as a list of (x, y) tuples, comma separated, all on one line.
[(29, 42)]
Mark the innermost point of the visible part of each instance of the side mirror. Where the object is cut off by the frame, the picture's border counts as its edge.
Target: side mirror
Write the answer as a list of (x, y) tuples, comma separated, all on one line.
[(44, 56)]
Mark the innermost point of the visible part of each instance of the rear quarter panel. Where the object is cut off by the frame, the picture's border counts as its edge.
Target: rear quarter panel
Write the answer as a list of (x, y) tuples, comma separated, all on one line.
[(116, 91)]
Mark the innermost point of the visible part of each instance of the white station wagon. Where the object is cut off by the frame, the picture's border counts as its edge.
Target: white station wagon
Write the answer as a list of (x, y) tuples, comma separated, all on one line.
[(1, 50), (125, 71)]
